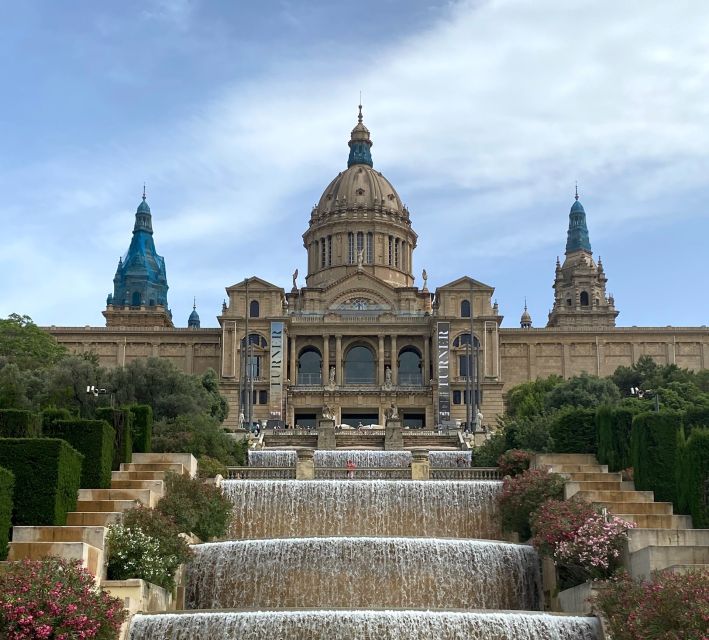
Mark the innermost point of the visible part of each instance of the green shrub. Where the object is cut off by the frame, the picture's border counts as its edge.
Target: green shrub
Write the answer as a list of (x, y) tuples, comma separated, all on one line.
[(696, 417), (195, 507), (574, 431), (145, 545), (696, 463), (487, 454), (613, 427), (514, 462), (209, 467), (653, 450), (525, 493), (17, 423), (50, 415), (120, 420), (7, 483), (47, 478), (94, 439), (142, 427)]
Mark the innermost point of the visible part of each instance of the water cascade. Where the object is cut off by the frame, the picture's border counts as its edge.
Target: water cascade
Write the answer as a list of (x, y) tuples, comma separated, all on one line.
[(273, 458), (431, 508), (409, 573)]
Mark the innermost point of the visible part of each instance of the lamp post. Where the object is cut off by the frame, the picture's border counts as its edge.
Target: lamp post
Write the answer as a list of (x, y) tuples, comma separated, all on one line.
[(650, 393), (248, 383)]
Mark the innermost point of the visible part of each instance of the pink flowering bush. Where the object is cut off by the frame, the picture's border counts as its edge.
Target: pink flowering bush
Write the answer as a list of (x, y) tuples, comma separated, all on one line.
[(514, 461), (57, 600), (669, 606), (584, 543)]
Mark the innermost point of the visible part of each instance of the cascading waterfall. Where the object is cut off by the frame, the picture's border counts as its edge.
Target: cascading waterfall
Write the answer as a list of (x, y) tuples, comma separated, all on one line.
[(363, 625), (273, 458), (450, 459), (430, 508), (409, 573)]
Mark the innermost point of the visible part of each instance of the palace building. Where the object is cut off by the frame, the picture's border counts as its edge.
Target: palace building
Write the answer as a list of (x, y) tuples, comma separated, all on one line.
[(359, 337)]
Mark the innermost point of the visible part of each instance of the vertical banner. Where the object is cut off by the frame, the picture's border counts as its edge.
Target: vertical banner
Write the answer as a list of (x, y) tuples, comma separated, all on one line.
[(276, 371), (444, 388)]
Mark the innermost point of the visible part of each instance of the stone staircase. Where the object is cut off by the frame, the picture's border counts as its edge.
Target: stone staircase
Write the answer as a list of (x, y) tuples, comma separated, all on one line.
[(140, 482), (661, 540)]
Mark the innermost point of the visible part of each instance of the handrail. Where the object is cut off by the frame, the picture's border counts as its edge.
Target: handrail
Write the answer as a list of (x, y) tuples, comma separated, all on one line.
[(260, 473), (466, 473)]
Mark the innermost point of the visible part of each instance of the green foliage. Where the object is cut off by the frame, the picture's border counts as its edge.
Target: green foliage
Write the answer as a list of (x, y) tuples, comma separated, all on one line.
[(695, 463), (94, 440), (530, 433), (7, 484), (613, 428), (583, 391), (525, 493), (696, 417), (514, 462), (218, 406), (16, 423), (145, 545), (47, 477), (142, 427), (24, 344), (574, 431), (490, 451), (50, 415), (120, 420), (65, 386), (653, 453), (528, 399), (199, 435), (195, 507), (209, 467), (13, 388)]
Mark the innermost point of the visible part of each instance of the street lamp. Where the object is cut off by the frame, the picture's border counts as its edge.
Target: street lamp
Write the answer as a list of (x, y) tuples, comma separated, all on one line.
[(650, 393)]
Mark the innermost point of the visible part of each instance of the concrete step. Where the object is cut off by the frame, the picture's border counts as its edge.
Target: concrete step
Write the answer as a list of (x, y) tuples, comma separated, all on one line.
[(187, 460), (93, 518), (157, 466), (573, 487), (93, 536), (652, 521), (579, 476), (106, 505), (156, 486), (91, 557), (547, 459), (144, 496), (641, 538), (137, 475), (639, 508), (615, 496), (579, 468), (644, 561)]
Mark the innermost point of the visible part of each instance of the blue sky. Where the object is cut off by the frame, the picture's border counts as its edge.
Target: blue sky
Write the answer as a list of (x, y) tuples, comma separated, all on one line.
[(237, 115)]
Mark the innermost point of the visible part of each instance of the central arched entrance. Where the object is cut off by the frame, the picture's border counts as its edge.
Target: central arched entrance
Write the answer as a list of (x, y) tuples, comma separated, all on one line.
[(360, 366)]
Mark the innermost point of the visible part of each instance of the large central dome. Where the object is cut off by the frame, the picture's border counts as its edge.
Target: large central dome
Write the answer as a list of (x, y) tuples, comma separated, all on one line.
[(360, 222)]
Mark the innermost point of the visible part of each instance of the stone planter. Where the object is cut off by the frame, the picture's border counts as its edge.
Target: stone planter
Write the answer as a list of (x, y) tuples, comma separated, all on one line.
[(578, 599)]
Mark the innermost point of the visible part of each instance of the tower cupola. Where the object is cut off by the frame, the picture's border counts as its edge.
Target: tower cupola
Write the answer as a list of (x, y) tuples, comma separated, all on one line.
[(193, 321)]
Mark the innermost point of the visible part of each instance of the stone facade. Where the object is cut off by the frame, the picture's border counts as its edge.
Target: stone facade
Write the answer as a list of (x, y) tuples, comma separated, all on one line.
[(359, 341)]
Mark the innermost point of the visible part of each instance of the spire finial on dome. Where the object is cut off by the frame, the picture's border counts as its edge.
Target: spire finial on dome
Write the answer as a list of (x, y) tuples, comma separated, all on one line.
[(194, 303), (576, 196), (360, 143), (143, 191)]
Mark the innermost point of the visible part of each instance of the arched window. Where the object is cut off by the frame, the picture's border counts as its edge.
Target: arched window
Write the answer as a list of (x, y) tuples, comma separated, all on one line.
[(254, 309), (409, 366), (584, 298), (360, 366), (256, 340), (135, 300), (310, 366), (465, 309), (463, 339)]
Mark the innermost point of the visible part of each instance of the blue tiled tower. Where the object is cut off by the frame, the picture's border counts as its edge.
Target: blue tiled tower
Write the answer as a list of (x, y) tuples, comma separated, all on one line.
[(140, 285)]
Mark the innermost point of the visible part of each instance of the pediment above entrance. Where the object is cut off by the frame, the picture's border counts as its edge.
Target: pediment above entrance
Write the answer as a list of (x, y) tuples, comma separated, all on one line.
[(360, 292)]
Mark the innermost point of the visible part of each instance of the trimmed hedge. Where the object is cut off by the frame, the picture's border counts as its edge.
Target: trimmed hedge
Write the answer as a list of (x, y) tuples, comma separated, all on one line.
[(142, 427), (47, 478), (53, 414), (574, 431), (696, 463), (18, 423), (613, 427), (696, 418), (94, 440), (7, 483), (654, 451), (120, 420)]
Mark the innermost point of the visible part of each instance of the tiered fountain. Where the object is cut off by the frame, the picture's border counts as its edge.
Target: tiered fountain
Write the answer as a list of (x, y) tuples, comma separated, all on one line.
[(363, 559)]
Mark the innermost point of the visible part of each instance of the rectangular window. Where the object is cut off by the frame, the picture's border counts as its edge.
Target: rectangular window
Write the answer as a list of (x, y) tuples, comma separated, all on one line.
[(322, 252), (391, 249), (463, 365), (329, 251), (255, 366), (456, 396), (396, 252), (263, 397), (370, 248), (360, 242), (350, 245)]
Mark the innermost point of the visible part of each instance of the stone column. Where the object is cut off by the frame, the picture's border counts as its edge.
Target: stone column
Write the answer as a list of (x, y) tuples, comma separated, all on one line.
[(420, 465), (338, 359), (393, 436), (326, 434), (293, 362), (325, 359), (304, 467), (394, 358), (380, 361)]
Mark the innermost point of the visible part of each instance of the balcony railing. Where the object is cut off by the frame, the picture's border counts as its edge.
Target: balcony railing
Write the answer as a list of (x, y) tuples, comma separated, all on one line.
[(310, 379), (260, 473), (466, 473), (411, 379)]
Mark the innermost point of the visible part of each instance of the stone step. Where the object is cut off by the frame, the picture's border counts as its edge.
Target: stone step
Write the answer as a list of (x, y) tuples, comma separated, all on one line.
[(106, 505), (156, 486), (636, 508), (579, 476), (187, 460), (137, 475), (163, 467), (573, 487), (144, 496), (615, 496), (641, 538), (686, 568), (90, 556), (644, 561), (547, 459), (93, 518), (93, 536), (579, 468), (652, 521)]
